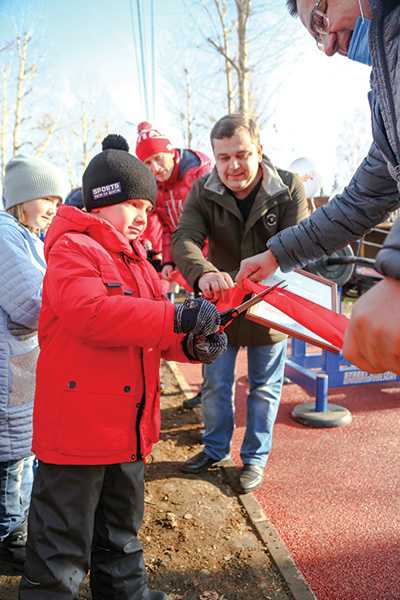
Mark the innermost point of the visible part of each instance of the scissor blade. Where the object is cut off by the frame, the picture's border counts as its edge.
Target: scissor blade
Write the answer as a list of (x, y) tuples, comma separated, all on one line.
[(258, 297)]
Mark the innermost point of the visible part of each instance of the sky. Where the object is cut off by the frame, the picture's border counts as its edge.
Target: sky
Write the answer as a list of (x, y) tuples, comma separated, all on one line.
[(314, 104)]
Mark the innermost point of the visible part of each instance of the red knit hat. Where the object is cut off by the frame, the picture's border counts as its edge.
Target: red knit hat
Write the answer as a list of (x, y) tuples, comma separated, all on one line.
[(150, 141)]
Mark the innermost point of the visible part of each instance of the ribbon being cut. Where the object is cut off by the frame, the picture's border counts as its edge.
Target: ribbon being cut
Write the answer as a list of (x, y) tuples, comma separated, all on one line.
[(325, 323)]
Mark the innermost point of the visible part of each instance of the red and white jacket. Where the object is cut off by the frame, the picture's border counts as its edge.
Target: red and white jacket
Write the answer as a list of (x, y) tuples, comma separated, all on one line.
[(189, 166), (104, 325)]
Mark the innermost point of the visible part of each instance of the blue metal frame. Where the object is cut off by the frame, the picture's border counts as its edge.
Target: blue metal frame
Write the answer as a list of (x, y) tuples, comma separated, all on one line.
[(319, 371)]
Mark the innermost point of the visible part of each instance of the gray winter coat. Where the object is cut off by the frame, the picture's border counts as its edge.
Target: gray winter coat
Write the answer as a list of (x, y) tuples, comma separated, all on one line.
[(374, 190), (22, 268)]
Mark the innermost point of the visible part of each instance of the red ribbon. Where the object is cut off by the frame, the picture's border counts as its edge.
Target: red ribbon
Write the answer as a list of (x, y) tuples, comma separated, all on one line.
[(177, 277), (325, 323)]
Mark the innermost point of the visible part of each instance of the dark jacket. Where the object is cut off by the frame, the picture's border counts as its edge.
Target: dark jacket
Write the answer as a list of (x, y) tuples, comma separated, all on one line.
[(211, 212), (374, 190)]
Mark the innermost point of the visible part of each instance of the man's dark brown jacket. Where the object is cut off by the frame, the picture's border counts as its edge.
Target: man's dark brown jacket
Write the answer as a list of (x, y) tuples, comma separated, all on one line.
[(211, 213)]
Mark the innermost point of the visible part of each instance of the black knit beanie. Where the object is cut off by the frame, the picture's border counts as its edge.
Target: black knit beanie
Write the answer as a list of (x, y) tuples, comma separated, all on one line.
[(114, 176)]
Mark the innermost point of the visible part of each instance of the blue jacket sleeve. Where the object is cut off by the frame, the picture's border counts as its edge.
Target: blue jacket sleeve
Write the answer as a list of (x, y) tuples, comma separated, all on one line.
[(20, 281), (370, 196)]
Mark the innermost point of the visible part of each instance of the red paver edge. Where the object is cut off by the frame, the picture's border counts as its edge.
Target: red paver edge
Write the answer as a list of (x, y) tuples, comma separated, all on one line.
[(284, 562)]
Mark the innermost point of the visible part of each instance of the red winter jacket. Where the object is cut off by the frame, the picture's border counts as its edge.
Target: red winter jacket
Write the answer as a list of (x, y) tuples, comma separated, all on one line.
[(103, 327), (153, 232), (171, 195)]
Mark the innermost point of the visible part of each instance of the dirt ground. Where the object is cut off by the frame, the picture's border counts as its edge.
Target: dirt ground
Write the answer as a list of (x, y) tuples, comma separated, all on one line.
[(198, 542)]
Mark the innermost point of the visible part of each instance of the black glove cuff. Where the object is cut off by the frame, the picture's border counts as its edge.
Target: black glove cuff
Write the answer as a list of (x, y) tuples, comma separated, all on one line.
[(187, 346)]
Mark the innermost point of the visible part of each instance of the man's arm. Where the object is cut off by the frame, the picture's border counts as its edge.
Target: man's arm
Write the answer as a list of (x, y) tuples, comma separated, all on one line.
[(189, 237), (370, 196), (388, 259)]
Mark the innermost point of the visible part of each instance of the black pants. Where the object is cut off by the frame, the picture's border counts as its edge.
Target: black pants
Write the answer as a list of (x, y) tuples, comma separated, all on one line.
[(85, 517)]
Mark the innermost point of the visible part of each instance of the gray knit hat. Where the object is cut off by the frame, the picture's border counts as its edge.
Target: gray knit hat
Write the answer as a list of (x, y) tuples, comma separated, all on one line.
[(27, 178)]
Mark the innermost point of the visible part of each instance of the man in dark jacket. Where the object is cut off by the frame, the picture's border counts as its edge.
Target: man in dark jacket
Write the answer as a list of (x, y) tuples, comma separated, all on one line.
[(242, 202), (367, 31)]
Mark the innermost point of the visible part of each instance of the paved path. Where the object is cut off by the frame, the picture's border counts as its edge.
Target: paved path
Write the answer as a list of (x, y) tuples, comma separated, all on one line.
[(334, 494)]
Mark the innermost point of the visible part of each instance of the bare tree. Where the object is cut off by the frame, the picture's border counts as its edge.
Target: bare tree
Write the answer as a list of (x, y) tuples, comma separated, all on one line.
[(231, 42), (47, 126), (222, 46), (21, 124), (78, 140), (89, 133), (252, 44), (5, 76), (187, 117), (25, 75), (354, 142), (243, 8), (66, 153)]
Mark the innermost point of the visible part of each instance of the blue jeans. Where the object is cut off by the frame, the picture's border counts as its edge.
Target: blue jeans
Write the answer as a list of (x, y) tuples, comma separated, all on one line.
[(266, 366), (16, 478)]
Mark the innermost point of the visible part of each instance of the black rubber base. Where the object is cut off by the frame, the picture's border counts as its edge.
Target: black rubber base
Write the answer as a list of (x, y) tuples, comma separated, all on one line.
[(335, 416)]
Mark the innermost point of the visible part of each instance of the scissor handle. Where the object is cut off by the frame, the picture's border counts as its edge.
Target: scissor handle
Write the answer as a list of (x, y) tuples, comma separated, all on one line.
[(228, 316)]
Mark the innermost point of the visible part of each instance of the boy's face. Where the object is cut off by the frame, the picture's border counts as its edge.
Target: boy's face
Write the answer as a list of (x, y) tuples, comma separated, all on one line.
[(129, 217), (161, 165)]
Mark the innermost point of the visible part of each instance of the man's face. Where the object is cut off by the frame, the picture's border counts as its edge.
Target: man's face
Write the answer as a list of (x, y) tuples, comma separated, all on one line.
[(161, 165), (340, 19), (237, 160)]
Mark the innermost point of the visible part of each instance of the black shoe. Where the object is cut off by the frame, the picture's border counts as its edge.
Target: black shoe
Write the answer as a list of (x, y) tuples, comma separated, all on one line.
[(17, 538), (191, 403), (12, 548), (13, 557), (251, 478), (198, 463)]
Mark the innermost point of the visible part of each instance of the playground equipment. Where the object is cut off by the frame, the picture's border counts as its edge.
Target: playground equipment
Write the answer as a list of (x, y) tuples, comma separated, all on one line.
[(317, 371)]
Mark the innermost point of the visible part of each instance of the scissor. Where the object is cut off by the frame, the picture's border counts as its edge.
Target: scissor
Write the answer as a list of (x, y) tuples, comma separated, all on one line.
[(229, 315)]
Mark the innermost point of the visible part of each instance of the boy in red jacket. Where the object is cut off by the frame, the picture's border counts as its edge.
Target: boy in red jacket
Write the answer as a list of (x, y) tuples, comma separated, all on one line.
[(103, 328)]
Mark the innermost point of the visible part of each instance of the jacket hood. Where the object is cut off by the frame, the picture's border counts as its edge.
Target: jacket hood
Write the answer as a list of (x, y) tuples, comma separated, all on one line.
[(184, 159), (72, 220), (7, 219)]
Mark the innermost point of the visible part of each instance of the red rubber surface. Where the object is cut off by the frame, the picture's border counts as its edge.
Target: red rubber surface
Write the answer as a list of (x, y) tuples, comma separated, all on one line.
[(334, 494)]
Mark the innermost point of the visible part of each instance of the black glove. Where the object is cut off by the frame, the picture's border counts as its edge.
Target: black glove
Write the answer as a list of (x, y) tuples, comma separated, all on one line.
[(206, 349), (197, 316)]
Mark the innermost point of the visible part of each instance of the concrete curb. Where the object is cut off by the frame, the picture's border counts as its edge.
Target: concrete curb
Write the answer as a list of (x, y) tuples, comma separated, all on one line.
[(284, 562)]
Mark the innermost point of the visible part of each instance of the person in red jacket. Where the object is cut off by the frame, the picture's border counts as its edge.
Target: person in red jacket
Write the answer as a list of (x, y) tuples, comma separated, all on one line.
[(103, 328), (175, 171)]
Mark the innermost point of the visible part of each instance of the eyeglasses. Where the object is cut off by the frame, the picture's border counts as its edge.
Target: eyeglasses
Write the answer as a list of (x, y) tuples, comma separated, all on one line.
[(319, 23)]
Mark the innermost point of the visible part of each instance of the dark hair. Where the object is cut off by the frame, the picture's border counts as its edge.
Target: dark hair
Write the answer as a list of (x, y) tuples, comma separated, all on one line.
[(292, 7), (229, 124), (74, 198)]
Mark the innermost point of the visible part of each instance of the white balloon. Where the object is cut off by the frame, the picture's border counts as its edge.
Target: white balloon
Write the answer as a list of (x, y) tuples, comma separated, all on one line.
[(311, 178)]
